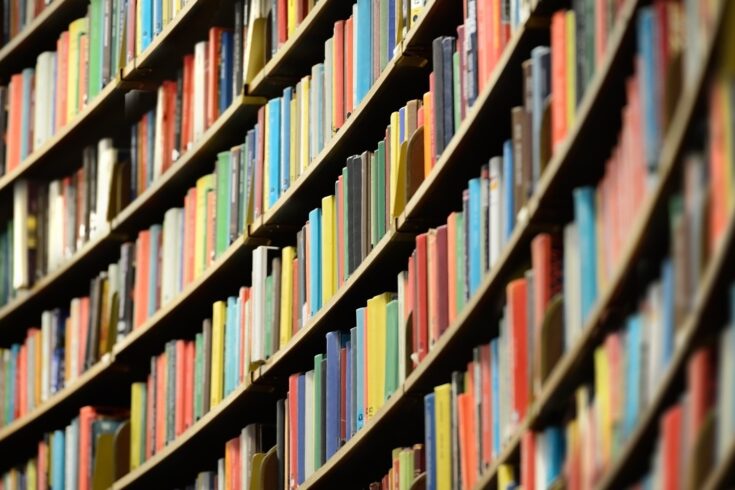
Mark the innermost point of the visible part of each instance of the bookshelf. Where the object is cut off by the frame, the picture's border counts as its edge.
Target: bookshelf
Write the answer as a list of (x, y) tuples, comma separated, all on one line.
[(397, 421)]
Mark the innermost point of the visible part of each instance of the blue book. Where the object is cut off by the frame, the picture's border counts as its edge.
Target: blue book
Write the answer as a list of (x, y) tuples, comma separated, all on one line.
[(668, 319), (354, 345), (333, 394), (286, 139), (508, 203), (474, 244), (315, 260), (360, 375), (429, 441), (153, 274), (541, 83), (225, 71), (391, 44), (157, 15), (584, 216), (632, 373), (25, 136), (495, 387), (556, 451), (274, 149), (58, 465), (302, 425), (363, 56), (647, 48), (146, 16), (348, 387), (401, 124)]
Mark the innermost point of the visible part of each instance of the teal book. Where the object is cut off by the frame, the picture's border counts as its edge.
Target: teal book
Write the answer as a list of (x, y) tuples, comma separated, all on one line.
[(584, 216), (222, 203), (315, 261), (391, 348), (58, 464), (360, 375), (474, 226), (285, 170), (633, 366), (274, 150), (363, 58)]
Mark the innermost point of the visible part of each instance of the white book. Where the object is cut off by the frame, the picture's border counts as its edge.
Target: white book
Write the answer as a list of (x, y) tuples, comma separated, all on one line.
[(541, 457), (55, 248), (310, 411), (40, 116), (249, 445), (221, 473), (495, 210), (572, 276), (70, 450), (200, 89), (21, 279), (106, 159), (159, 130), (259, 273)]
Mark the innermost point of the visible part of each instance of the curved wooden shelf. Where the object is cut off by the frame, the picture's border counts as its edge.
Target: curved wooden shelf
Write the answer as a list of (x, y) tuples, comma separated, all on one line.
[(41, 295), (40, 34)]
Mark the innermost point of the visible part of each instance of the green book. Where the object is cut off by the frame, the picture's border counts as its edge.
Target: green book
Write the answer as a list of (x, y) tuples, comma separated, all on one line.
[(94, 63), (383, 28), (198, 373), (268, 320), (391, 348), (381, 187), (318, 428), (460, 261), (345, 224), (457, 92), (222, 198)]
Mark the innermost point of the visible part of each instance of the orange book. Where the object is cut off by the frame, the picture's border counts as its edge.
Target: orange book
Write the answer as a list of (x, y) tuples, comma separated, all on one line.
[(558, 78), (87, 415), (180, 384), (517, 321), (718, 209), (15, 111), (528, 461), (338, 87), (484, 37), (600, 30), (187, 129), (62, 70), (348, 65), (213, 62), (189, 357), (468, 451), (169, 122), (211, 226), (140, 291), (672, 429), (487, 414), (452, 266), (190, 208), (161, 382)]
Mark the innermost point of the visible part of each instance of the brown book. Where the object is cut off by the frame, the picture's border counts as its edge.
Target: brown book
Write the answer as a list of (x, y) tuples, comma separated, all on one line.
[(414, 174), (552, 337), (518, 116)]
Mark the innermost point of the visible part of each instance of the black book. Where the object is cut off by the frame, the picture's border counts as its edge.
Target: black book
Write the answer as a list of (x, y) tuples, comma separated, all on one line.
[(448, 43), (42, 232), (94, 321), (364, 229), (178, 116), (237, 50), (437, 59), (354, 225)]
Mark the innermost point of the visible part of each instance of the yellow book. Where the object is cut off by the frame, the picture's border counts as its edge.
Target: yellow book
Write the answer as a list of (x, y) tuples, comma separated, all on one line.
[(219, 313), (395, 155), (288, 254), (399, 23), (443, 434), (417, 6), (255, 45), (293, 165), (405, 458), (602, 401), (31, 474), (571, 44), (505, 476), (329, 250), (204, 185), (76, 29), (166, 13), (291, 17), (376, 352), (266, 159), (137, 423), (256, 472), (304, 126)]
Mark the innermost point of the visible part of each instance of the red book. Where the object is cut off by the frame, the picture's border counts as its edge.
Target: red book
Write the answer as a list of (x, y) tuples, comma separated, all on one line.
[(600, 30), (150, 417), (187, 129), (718, 209), (421, 323), (486, 390), (338, 86), (349, 57), (161, 411), (293, 425), (528, 460), (343, 429), (701, 384), (484, 35), (169, 122), (282, 21), (340, 232), (15, 110), (302, 9), (503, 29), (87, 415), (259, 166), (140, 292), (213, 62), (451, 267), (180, 382), (211, 226), (244, 334), (43, 465), (558, 78), (62, 73), (431, 123), (517, 320), (672, 429), (440, 275), (190, 359)]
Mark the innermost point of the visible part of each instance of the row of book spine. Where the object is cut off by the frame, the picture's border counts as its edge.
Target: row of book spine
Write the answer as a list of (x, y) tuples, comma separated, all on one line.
[(18, 15), (73, 456)]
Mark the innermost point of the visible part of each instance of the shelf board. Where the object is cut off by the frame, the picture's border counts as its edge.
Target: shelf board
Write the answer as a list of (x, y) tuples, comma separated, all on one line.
[(222, 422), (166, 191), (39, 35), (42, 295), (49, 158), (302, 50)]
